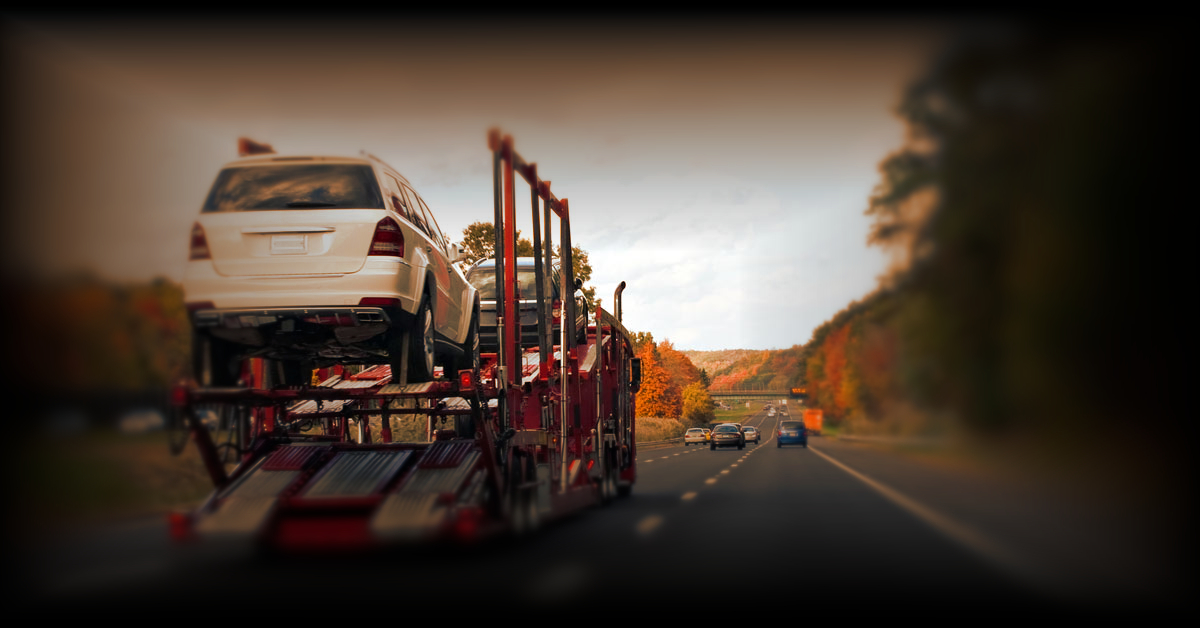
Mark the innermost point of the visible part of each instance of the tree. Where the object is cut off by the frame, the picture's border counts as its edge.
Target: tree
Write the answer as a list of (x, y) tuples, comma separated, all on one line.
[(641, 339), (479, 242), (697, 405), (1029, 190), (658, 396), (682, 371)]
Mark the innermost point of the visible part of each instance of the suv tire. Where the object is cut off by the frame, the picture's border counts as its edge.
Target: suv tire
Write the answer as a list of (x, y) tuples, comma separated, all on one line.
[(470, 356), (421, 345)]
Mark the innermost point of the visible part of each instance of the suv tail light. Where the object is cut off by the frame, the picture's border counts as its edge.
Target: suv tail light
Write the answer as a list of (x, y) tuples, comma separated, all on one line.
[(388, 239), (199, 246)]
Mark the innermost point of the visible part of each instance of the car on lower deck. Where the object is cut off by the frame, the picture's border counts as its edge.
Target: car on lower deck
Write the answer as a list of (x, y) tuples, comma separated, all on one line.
[(482, 275), (309, 261), (791, 433)]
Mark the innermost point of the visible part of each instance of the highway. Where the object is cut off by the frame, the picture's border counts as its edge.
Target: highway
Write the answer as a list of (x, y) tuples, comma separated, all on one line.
[(839, 526)]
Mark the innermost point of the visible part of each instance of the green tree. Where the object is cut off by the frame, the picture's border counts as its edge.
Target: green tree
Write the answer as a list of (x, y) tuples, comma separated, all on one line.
[(641, 339), (697, 405), (1028, 201), (479, 242)]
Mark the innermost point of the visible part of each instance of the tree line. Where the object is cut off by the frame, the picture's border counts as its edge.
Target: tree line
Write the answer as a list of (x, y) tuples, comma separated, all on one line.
[(672, 387), (1029, 216)]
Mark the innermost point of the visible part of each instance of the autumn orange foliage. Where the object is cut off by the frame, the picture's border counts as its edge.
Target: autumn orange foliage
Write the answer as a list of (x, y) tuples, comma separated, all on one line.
[(659, 395)]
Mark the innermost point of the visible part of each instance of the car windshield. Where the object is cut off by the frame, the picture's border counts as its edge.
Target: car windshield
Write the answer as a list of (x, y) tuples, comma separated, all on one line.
[(484, 280), (791, 425), (294, 186)]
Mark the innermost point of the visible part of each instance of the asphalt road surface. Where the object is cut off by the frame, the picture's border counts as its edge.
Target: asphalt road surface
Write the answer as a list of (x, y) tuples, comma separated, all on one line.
[(838, 527)]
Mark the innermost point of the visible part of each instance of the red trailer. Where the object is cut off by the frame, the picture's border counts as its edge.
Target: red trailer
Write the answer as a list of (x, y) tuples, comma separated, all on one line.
[(532, 435)]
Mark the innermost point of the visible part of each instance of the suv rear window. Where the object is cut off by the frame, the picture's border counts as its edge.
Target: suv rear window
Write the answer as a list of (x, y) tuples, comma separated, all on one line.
[(791, 425), (294, 186)]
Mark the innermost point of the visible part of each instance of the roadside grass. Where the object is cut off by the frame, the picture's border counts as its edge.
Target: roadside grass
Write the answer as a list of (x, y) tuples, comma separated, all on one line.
[(830, 429), (736, 415), (652, 429), (100, 475)]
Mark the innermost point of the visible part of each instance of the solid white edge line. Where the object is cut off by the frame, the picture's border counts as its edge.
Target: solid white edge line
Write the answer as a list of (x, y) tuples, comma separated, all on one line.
[(962, 534)]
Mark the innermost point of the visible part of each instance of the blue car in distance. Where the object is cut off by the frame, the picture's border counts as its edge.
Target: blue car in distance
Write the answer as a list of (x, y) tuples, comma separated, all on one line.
[(791, 433)]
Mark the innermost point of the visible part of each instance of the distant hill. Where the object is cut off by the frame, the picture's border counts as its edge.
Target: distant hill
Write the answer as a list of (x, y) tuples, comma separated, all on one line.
[(736, 368), (715, 361)]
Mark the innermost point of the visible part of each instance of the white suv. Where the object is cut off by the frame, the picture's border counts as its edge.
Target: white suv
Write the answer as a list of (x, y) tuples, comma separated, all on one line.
[(311, 261)]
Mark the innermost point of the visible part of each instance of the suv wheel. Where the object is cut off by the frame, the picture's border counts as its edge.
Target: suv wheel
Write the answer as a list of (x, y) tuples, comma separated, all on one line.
[(470, 357), (420, 344)]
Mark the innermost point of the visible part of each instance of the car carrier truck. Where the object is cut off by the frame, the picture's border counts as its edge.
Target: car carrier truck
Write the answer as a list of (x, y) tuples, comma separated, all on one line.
[(528, 435)]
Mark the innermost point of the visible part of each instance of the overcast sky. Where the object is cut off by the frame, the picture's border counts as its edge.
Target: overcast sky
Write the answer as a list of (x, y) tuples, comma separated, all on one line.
[(720, 167)]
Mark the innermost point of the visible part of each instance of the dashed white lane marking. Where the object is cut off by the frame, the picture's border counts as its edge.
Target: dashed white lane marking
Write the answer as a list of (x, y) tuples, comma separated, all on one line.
[(647, 525), (689, 495), (724, 471), (664, 457), (711, 481)]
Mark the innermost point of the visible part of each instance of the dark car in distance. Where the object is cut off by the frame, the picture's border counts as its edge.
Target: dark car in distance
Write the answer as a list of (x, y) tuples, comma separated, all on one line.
[(727, 435), (791, 433)]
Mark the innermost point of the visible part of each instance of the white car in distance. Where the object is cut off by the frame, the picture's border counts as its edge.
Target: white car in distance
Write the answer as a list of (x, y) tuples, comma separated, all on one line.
[(695, 436), (309, 261)]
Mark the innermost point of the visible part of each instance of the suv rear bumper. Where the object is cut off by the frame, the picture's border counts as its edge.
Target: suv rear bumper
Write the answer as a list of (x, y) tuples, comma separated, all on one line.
[(380, 277)]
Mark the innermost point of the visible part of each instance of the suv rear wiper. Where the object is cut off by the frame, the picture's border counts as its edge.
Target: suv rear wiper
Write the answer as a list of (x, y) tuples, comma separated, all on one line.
[(310, 204)]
